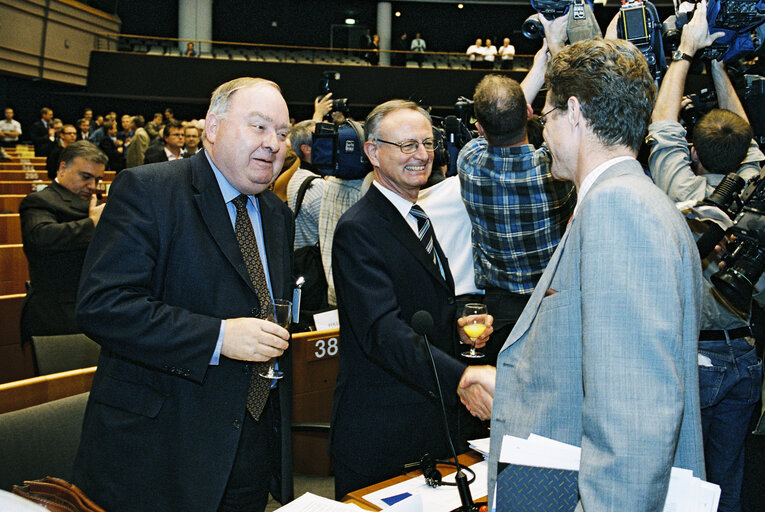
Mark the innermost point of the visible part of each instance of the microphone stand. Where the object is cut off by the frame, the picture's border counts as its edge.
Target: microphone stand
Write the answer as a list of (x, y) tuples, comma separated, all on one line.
[(422, 322)]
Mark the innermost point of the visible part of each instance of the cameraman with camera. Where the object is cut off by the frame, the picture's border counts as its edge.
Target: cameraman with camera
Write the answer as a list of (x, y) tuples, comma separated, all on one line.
[(730, 375)]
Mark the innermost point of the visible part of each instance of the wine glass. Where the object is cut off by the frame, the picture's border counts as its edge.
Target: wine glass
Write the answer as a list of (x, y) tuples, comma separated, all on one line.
[(282, 315), (475, 316)]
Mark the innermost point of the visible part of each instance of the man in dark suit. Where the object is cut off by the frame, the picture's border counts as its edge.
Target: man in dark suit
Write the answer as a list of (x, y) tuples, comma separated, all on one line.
[(67, 136), (57, 225), (180, 277), (386, 412), (40, 131), (107, 145), (171, 150)]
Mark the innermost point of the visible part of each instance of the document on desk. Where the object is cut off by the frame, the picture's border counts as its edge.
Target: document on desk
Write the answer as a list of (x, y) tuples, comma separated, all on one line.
[(312, 503), (438, 499), (542, 473)]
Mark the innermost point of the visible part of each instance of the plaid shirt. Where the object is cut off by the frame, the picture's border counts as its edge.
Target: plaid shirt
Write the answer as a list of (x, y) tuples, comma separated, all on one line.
[(518, 212)]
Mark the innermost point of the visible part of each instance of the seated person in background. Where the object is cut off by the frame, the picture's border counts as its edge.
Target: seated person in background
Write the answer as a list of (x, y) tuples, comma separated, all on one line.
[(190, 140), (730, 375), (68, 136), (171, 150), (190, 51), (57, 225)]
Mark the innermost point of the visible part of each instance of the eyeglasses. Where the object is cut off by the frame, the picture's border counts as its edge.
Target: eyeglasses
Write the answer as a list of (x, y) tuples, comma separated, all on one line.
[(543, 117), (410, 146)]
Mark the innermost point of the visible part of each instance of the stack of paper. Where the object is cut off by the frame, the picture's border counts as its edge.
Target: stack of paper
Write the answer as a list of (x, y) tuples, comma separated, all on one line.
[(481, 446), (538, 465), (312, 503)]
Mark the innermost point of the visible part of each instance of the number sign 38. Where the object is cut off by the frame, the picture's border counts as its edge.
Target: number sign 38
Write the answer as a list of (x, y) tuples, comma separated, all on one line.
[(325, 348)]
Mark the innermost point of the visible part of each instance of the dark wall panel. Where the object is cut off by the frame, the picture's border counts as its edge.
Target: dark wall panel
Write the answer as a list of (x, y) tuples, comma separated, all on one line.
[(192, 80)]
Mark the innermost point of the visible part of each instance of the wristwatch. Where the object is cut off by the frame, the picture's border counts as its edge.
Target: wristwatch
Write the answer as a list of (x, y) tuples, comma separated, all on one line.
[(679, 55)]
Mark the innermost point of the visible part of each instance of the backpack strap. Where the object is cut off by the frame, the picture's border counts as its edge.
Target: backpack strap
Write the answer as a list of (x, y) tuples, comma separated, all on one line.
[(301, 192)]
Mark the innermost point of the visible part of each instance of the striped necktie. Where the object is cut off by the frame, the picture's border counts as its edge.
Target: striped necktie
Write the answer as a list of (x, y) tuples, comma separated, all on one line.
[(248, 244), (425, 231)]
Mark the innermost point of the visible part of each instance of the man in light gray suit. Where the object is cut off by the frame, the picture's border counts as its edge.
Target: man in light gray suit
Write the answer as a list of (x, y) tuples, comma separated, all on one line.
[(604, 354)]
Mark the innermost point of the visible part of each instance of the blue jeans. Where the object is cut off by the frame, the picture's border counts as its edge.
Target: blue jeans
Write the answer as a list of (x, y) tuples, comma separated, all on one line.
[(729, 390)]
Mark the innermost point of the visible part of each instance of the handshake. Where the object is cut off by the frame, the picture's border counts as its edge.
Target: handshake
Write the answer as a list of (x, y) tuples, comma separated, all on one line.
[(476, 390)]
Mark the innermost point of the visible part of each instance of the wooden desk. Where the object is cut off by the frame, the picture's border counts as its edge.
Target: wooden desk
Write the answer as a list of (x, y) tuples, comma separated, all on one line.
[(357, 497), (314, 369)]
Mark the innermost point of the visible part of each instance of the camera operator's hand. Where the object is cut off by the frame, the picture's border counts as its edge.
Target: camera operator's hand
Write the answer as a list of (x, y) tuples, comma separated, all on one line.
[(696, 34), (321, 107), (556, 32), (535, 79)]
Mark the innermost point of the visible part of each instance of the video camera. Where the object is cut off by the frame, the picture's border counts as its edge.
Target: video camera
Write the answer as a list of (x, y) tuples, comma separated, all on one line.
[(581, 24), (751, 92), (745, 254), (741, 21), (338, 104), (639, 23), (455, 132)]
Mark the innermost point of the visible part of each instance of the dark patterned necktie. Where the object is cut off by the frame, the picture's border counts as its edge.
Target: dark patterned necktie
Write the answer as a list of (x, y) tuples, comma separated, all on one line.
[(424, 231), (248, 244)]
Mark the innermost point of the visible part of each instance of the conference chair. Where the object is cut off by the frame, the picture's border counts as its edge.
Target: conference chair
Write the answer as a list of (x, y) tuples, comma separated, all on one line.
[(54, 354)]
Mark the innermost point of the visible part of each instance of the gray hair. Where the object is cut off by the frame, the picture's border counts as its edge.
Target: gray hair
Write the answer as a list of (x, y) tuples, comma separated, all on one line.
[(301, 134), (85, 150), (372, 124), (221, 96)]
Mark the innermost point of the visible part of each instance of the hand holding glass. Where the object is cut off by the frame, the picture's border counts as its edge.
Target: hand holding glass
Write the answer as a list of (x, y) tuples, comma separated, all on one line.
[(282, 314), (474, 315)]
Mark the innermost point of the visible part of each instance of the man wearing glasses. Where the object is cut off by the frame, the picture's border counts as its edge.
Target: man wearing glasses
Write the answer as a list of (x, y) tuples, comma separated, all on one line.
[(518, 210), (389, 265), (604, 354), (57, 224), (174, 140)]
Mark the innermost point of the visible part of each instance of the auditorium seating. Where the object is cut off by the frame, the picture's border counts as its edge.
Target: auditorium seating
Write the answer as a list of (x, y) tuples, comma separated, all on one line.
[(13, 269), (41, 441), (55, 354), (10, 228), (16, 361), (24, 393)]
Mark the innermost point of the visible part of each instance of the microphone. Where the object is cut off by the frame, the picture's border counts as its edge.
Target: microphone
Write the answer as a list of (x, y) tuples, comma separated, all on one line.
[(422, 323)]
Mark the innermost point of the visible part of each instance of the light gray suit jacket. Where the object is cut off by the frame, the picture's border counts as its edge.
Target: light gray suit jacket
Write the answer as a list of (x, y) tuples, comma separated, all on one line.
[(604, 355)]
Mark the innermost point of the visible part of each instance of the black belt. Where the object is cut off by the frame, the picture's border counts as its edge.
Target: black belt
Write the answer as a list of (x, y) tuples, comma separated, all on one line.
[(740, 332)]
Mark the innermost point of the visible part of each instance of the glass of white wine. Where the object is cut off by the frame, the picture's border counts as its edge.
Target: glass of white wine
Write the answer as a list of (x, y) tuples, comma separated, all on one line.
[(475, 316), (282, 315)]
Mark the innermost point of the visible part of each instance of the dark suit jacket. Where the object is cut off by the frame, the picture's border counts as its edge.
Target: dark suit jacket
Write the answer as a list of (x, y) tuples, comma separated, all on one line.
[(155, 155), (386, 411), (116, 160), (56, 232), (38, 132), (162, 425)]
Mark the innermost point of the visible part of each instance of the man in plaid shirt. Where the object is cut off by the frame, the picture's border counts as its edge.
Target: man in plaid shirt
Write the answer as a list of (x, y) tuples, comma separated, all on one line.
[(518, 211)]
